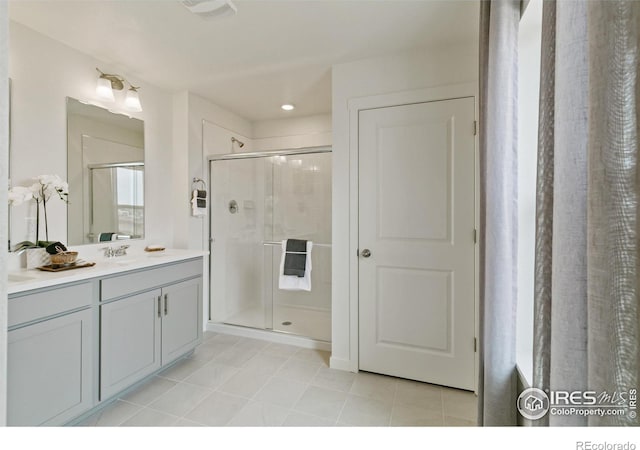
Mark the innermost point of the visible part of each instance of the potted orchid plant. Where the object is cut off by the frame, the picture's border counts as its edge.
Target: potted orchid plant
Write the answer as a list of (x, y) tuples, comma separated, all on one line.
[(45, 187)]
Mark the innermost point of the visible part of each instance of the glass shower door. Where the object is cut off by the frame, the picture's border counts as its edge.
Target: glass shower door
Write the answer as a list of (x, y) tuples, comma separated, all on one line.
[(256, 203), (238, 294), (300, 208)]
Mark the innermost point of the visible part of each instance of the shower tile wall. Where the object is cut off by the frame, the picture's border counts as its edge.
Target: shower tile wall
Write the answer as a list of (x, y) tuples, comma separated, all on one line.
[(278, 198)]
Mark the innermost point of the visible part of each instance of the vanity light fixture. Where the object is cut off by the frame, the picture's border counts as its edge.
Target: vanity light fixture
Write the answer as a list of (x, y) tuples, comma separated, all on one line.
[(132, 100), (108, 82), (288, 107), (104, 90)]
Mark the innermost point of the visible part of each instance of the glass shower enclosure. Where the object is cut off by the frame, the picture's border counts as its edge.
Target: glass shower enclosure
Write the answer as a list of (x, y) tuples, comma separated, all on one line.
[(257, 201)]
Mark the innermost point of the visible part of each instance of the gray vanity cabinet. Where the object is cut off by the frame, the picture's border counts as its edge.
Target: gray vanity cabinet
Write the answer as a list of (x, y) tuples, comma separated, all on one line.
[(50, 357), (129, 341), (73, 346), (181, 312), (147, 320)]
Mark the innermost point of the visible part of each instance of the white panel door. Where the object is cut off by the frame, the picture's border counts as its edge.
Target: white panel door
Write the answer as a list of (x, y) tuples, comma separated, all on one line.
[(416, 241)]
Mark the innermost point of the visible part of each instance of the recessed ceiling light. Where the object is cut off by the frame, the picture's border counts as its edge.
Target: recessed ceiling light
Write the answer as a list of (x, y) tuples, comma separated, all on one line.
[(287, 107)]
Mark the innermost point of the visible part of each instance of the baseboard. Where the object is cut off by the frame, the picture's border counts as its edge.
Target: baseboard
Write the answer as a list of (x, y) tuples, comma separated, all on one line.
[(271, 336), (342, 364)]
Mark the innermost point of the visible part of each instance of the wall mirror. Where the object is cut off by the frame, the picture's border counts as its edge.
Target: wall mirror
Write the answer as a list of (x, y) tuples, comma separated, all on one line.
[(105, 172)]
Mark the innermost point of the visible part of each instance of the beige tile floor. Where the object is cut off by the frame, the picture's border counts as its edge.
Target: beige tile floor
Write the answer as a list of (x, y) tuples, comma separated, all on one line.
[(235, 381)]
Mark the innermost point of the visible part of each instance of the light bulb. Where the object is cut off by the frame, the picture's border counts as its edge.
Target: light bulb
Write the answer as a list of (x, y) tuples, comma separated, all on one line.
[(132, 101), (287, 107), (103, 90)]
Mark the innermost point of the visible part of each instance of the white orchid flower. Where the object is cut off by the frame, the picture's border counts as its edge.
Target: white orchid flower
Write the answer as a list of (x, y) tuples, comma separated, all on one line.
[(17, 195), (49, 179), (41, 191), (36, 191), (50, 184), (63, 187)]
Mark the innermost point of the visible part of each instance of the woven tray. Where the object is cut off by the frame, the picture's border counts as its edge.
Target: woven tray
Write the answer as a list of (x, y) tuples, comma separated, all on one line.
[(60, 268)]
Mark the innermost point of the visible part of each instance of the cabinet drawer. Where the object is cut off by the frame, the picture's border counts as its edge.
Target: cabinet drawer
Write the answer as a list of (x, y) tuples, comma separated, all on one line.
[(119, 286), (30, 307)]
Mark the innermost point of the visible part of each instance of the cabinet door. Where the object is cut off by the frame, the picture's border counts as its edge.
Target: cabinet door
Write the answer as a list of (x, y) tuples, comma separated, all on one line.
[(181, 318), (129, 340), (50, 370)]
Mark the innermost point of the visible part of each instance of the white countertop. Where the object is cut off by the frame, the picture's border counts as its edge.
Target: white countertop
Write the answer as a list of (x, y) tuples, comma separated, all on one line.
[(26, 280)]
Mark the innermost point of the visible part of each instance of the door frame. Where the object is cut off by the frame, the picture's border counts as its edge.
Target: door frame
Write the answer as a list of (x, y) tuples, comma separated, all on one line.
[(355, 105)]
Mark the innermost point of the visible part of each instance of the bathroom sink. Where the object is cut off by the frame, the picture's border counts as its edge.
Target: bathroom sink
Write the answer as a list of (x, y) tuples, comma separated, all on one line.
[(15, 278)]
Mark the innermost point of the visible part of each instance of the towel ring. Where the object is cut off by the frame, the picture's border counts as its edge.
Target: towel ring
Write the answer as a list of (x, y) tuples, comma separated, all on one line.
[(200, 180)]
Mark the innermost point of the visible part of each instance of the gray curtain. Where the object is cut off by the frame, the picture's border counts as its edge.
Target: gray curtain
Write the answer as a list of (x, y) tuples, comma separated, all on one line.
[(586, 295), (544, 204), (499, 22)]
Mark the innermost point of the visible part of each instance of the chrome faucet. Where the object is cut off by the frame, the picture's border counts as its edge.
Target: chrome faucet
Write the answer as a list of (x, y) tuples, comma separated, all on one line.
[(110, 252)]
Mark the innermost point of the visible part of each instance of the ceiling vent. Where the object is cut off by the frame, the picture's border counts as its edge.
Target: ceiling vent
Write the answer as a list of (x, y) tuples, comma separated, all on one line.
[(208, 9)]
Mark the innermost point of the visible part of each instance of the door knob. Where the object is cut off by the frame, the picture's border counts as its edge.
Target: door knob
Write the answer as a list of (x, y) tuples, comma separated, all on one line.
[(366, 253)]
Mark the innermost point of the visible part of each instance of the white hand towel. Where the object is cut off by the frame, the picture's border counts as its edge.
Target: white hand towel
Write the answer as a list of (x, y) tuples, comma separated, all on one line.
[(292, 282), (198, 211)]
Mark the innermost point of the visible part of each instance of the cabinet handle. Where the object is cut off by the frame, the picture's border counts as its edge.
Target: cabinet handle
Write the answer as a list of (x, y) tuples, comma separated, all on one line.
[(166, 304), (159, 306)]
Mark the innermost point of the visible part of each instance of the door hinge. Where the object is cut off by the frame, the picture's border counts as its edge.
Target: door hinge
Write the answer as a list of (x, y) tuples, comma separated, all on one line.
[(475, 345), (475, 236), (475, 127)]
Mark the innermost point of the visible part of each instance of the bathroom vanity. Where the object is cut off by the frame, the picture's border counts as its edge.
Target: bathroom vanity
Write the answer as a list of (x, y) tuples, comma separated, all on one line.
[(79, 338)]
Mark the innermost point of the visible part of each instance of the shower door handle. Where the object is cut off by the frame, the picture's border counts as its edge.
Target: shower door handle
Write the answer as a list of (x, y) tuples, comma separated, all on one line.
[(366, 253)]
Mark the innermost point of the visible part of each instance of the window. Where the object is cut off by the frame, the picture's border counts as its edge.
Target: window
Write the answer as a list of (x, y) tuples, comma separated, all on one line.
[(530, 34), (130, 200)]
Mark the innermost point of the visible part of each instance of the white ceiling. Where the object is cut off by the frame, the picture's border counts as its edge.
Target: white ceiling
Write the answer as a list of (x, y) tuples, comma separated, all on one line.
[(270, 53)]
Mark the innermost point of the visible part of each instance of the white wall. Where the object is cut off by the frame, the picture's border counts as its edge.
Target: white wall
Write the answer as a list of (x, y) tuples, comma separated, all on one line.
[(4, 153), (45, 72), (403, 72), (299, 132), (180, 170), (529, 38), (210, 129)]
